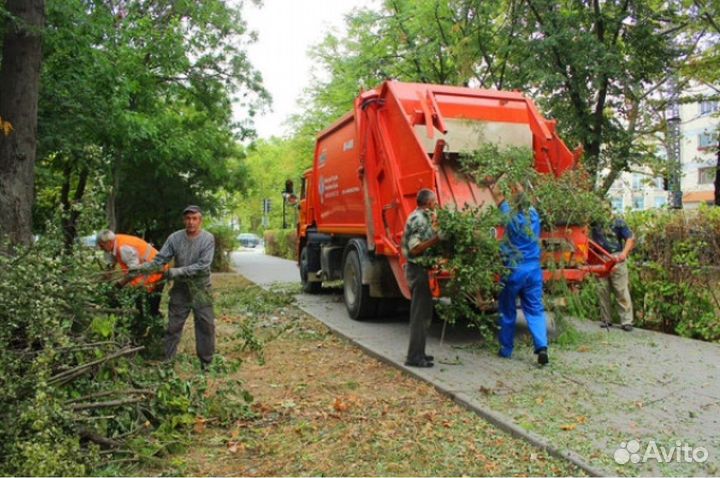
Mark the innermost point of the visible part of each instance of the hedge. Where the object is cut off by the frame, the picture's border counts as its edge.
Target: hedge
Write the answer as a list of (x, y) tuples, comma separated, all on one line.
[(281, 243)]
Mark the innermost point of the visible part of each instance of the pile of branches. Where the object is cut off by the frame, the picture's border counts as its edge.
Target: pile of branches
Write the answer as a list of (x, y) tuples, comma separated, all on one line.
[(567, 200), (471, 250), (78, 394)]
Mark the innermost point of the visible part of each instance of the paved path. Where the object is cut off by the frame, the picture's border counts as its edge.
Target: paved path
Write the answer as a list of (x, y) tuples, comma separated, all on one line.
[(607, 396)]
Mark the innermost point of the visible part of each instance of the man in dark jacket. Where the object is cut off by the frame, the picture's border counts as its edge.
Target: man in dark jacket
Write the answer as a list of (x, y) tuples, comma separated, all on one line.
[(615, 237)]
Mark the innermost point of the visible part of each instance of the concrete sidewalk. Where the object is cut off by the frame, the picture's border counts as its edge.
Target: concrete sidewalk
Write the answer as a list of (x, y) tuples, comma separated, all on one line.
[(615, 402)]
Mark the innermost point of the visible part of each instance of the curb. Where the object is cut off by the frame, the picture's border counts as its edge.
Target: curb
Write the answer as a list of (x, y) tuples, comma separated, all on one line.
[(491, 416)]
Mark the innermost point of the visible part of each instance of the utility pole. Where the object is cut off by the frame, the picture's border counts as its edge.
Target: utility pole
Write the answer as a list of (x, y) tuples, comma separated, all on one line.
[(674, 155), (674, 136)]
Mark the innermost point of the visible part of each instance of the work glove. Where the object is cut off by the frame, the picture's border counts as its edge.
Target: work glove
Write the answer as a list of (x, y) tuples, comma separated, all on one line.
[(171, 273)]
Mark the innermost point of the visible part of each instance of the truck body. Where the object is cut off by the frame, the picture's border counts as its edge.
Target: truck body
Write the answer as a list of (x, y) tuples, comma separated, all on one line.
[(399, 138)]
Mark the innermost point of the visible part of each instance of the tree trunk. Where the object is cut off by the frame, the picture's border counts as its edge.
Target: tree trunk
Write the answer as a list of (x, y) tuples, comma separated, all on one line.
[(717, 173), (72, 214), (111, 205), (19, 85)]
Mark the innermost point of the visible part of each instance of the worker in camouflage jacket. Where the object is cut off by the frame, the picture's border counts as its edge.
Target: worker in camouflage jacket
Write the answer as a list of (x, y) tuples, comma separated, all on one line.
[(419, 236)]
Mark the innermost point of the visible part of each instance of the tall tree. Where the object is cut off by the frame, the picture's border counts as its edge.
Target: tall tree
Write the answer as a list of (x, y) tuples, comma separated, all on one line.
[(19, 86), (136, 109), (595, 66)]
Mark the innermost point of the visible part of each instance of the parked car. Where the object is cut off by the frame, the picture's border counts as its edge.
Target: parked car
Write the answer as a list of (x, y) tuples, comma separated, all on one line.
[(247, 239)]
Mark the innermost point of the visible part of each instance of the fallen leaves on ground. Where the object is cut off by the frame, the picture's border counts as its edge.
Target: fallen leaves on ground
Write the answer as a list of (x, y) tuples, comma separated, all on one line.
[(323, 407)]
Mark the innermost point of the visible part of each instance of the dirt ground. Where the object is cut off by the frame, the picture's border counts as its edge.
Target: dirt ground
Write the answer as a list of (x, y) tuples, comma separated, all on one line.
[(323, 407)]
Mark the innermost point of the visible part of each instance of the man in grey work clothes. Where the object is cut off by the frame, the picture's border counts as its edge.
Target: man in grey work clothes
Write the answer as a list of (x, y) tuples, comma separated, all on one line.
[(192, 249), (418, 237)]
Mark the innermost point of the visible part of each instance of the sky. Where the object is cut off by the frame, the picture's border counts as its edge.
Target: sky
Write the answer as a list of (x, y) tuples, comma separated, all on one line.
[(286, 30)]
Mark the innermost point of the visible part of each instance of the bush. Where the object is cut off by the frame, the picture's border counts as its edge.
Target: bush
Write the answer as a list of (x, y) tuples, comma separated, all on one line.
[(225, 243), (675, 271), (281, 243), (63, 348)]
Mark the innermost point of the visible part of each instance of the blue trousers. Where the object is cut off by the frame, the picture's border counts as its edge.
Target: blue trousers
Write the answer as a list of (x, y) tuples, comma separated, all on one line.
[(525, 281)]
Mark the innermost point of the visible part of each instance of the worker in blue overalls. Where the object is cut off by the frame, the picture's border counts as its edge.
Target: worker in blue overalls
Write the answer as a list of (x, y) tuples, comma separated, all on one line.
[(520, 249)]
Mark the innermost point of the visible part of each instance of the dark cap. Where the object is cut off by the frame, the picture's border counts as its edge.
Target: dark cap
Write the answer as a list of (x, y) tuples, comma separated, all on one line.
[(192, 209)]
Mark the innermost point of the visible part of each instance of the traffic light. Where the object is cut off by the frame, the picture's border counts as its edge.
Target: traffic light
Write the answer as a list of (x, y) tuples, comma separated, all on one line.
[(288, 186)]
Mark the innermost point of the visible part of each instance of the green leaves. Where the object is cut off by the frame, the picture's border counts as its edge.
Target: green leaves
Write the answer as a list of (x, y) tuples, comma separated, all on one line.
[(591, 66), (470, 252), (149, 86), (505, 166)]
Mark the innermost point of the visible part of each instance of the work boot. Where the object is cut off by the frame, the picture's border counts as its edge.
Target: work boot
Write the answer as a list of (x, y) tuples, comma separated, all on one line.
[(543, 358)]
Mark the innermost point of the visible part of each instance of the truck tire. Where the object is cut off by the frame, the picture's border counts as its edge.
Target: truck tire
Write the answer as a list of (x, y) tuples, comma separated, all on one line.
[(307, 286), (357, 296)]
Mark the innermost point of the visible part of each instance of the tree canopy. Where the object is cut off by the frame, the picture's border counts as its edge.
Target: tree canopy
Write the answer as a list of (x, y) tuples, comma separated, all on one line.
[(136, 109), (599, 68)]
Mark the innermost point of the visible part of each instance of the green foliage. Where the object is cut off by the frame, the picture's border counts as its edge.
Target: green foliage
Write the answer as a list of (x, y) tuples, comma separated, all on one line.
[(225, 243), (281, 243), (150, 89), (568, 200), (565, 200), (505, 166), (592, 67), (269, 164), (675, 271), (470, 252), (56, 319)]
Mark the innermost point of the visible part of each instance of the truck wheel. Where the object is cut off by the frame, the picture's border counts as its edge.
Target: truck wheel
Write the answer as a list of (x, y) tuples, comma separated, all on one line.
[(307, 286), (357, 296)]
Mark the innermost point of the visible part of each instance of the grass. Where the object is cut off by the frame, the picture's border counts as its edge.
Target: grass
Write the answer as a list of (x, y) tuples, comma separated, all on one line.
[(323, 407)]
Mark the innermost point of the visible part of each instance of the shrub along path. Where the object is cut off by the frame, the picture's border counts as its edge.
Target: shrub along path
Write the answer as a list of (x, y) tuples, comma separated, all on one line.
[(603, 389)]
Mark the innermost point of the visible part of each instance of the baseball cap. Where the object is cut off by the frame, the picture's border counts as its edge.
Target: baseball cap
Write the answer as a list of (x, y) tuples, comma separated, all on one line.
[(193, 209)]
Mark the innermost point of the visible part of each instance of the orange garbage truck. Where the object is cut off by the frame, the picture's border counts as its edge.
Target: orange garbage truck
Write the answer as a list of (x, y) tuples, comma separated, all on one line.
[(399, 138)]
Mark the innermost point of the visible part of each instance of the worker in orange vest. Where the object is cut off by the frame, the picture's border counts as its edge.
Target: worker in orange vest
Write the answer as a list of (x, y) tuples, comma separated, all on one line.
[(130, 252)]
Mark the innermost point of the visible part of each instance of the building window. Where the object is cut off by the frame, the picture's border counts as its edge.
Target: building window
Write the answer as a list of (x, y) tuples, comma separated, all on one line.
[(706, 140), (638, 203), (660, 183), (660, 201), (706, 175), (707, 107), (617, 204), (637, 182)]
